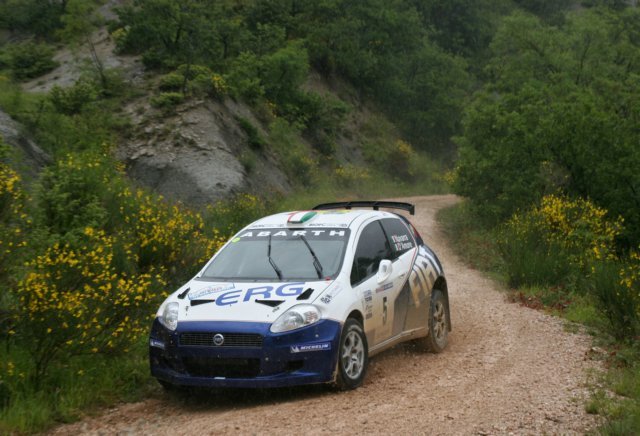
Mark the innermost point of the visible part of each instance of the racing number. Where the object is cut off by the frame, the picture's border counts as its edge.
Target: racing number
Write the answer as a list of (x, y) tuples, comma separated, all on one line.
[(384, 310)]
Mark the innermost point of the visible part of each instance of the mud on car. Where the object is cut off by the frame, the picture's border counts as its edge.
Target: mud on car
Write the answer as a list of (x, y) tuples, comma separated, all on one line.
[(303, 297)]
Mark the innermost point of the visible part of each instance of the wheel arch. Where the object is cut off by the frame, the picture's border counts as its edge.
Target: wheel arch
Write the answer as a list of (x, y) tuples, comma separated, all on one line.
[(441, 284), (357, 315)]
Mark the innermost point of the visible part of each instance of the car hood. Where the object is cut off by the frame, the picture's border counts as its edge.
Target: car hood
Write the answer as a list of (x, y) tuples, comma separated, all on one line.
[(244, 302)]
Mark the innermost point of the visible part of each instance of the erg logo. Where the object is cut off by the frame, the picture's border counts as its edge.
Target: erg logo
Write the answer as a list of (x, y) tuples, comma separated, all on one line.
[(238, 295)]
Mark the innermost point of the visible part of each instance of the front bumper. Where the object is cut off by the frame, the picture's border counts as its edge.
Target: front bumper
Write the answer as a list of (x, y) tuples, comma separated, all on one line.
[(251, 357)]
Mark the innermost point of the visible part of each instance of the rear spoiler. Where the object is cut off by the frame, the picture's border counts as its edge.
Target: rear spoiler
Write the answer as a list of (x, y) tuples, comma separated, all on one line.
[(373, 204)]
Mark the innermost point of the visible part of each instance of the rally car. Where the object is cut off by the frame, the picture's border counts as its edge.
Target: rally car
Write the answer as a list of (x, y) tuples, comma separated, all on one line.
[(303, 297)]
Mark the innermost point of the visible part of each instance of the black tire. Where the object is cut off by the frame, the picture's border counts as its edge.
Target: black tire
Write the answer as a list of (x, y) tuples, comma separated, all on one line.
[(353, 356), (437, 338)]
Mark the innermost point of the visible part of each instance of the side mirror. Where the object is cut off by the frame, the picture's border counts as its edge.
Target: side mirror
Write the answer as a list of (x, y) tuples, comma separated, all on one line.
[(384, 270)]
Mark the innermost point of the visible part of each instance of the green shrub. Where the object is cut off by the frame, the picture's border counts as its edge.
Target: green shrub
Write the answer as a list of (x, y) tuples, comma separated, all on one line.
[(71, 101), (29, 59), (557, 241), (233, 214), (254, 138), (243, 78), (532, 261), (297, 160), (167, 100), (171, 82), (323, 118)]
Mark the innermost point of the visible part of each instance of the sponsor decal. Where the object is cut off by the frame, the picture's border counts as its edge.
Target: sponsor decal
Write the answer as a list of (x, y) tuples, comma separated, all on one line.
[(401, 242), (210, 290), (422, 277), (331, 293), (311, 347), (384, 287), (285, 233), (266, 292), (156, 343), (368, 304)]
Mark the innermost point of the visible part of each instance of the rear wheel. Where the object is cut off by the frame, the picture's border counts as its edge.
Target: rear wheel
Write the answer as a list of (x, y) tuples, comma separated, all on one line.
[(437, 339), (353, 356)]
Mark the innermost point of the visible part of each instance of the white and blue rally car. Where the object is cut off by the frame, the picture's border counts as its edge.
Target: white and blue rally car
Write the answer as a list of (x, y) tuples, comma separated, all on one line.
[(303, 297)]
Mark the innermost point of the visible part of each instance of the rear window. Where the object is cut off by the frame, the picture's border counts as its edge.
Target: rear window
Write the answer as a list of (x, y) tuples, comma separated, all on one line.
[(399, 236), (246, 257)]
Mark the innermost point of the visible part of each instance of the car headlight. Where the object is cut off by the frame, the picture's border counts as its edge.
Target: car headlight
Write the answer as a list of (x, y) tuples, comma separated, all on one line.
[(169, 317), (298, 316)]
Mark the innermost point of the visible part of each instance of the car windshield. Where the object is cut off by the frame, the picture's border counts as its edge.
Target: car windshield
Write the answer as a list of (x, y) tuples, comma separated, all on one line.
[(246, 257)]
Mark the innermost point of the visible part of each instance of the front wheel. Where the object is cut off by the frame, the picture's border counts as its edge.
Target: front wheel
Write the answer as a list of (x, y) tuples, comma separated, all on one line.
[(437, 339), (353, 356)]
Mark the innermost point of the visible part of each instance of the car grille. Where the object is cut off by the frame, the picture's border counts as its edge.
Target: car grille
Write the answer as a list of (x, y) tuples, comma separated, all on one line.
[(215, 367), (205, 339)]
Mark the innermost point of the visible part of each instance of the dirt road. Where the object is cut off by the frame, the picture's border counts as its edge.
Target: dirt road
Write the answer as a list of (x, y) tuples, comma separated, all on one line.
[(508, 370)]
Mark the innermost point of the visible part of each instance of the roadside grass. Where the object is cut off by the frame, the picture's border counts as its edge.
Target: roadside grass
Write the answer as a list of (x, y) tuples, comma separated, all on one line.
[(78, 387), (616, 393)]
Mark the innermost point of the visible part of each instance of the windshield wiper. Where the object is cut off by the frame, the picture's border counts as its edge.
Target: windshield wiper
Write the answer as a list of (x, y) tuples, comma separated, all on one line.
[(316, 262), (273, 264)]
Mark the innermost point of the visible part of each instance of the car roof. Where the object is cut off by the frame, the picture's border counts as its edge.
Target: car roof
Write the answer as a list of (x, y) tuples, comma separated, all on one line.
[(319, 218)]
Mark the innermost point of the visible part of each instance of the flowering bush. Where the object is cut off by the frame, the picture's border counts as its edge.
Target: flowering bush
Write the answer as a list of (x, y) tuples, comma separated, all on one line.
[(107, 256), (75, 300), (557, 241), (12, 217), (351, 176), (616, 285), (232, 215)]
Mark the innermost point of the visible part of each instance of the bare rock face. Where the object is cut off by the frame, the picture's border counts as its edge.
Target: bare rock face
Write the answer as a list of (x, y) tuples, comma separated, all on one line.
[(28, 158), (194, 154)]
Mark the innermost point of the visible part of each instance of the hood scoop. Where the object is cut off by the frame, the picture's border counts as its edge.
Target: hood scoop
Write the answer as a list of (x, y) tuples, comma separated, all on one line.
[(306, 294), (199, 302), (184, 293), (270, 303)]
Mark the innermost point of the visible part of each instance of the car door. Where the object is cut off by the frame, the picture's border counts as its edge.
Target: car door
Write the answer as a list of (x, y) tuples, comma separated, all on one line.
[(403, 253), (378, 289)]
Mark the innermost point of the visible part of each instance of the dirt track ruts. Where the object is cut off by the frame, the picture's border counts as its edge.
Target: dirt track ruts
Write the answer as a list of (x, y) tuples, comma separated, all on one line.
[(507, 369)]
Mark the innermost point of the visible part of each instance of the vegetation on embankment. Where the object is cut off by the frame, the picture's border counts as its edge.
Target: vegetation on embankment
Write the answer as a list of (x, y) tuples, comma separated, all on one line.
[(548, 159)]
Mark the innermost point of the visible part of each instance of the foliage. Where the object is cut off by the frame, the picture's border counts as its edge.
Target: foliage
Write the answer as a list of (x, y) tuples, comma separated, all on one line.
[(42, 18), (294, 156), (323, 118), (13, 223), (105, 258), (264, 52), (28, 59), (76, 300), (71, 100), (167, 100), (616, 286), (557, 241), (235, 213), (350, 176), (254, 138), (559, 113)]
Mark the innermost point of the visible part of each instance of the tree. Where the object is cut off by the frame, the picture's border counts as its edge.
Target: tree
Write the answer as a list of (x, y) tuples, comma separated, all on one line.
[(560, 113), (80, 21)]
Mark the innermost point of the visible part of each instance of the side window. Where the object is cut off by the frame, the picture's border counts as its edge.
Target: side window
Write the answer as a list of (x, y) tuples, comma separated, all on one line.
[(399, 236), (372, 247)]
